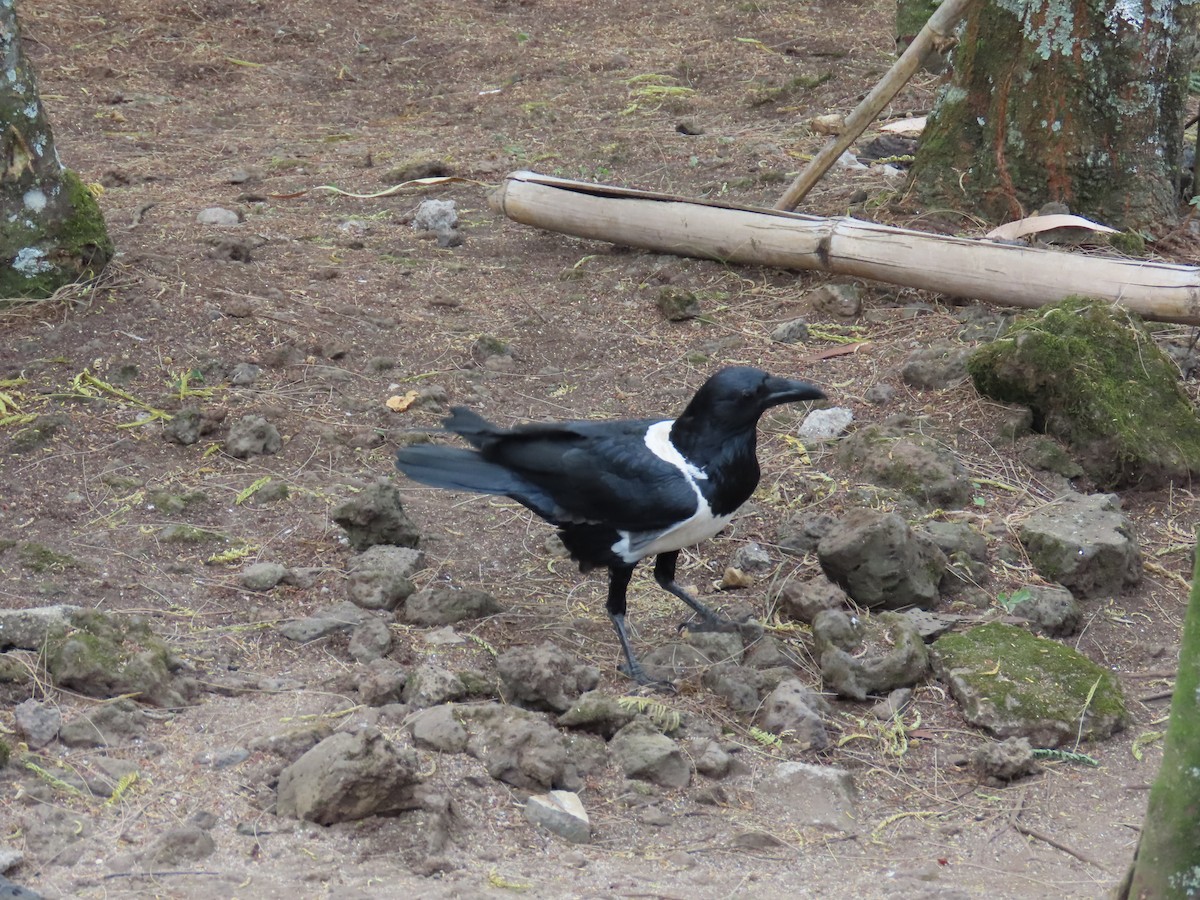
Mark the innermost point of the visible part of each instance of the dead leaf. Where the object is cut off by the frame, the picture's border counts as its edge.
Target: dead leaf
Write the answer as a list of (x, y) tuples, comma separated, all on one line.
[(1035, 224), (401, 404)]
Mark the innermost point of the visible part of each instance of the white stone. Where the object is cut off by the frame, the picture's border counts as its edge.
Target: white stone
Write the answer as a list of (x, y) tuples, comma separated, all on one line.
[(219, 216), (561, 812), (825, 424)]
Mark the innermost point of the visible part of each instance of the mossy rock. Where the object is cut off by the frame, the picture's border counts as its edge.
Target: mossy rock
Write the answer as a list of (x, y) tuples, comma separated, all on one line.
[(912, 463), (108, 656), (1015, 684), (1094, 378)]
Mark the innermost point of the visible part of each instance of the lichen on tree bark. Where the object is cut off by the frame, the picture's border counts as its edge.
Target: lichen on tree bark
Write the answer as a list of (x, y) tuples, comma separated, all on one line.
[(51, 228), (1080, 103)]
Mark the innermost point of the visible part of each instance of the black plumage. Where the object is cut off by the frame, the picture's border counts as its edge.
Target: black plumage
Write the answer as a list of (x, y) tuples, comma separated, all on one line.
[(620, 491)]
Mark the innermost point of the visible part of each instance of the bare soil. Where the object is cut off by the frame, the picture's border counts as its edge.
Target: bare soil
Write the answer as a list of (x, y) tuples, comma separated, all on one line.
[(177, 105)]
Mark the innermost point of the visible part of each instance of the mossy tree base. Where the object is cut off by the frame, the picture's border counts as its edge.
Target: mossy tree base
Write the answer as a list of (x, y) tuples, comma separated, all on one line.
[(1079, 103), (51, 230)]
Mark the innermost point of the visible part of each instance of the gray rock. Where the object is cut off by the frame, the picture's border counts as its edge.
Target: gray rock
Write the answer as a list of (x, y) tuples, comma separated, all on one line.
[(223, 758), (597, 712), (439, 217), (802, 533), (793, 711), (262, 576), (10, 858), (431, 685), (1085, 543), (244, 374), (929, 625), (544, 677), (892, 705), (38, 723), (880, 393), (29, 629), (912, 463), (107, 774), (370, 641), (347, 777), (291, 745), (841, 300), (881, 562), (803, 600), (742, 688), (793, 331), (438, 729), (825, 424), (1040, 452), (341, 617), (1054, 611), (890, 653), (13, 891), (191, 423), (218, 216), (108, 725), (666, 662), (766, 653), (965, 549), (376, 515), (751, 558), (711, 759), (381, 576), (941, 365), (440, 604), (1042, 690), (646, 754), (382, 682), (517, 747), (252, 436), (677, 304), (718, 646), (818, 796), (562, 813), (1005, 760)]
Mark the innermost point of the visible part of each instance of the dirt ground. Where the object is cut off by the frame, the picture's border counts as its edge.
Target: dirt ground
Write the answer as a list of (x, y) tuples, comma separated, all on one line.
[(178, 105)]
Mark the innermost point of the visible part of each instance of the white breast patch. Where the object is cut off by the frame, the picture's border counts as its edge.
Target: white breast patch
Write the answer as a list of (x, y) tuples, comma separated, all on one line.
[(699, 527)]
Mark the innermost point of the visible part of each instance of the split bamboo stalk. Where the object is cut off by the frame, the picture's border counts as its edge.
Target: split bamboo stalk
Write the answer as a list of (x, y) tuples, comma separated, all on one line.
[(939, 26), (1005, 274)]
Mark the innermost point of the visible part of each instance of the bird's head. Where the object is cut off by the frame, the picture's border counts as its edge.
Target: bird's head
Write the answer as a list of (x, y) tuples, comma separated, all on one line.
[(736, 397)]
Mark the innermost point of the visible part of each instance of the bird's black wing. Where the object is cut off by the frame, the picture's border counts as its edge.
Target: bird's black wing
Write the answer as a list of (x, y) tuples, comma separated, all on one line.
[(568, 473), (597, 472)]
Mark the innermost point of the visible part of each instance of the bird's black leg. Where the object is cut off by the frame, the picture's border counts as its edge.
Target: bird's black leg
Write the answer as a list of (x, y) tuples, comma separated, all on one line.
[(664, 574), (618, 585)]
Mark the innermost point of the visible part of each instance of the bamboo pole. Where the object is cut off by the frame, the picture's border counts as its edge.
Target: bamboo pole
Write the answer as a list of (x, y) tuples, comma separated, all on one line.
[(939, 26), (1005, 274)]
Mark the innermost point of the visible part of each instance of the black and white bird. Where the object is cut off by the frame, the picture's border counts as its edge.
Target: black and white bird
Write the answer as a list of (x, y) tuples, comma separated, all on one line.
[(619, 491)]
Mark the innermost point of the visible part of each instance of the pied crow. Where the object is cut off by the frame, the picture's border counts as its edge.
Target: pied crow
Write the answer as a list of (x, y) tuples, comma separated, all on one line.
[(619, 491)]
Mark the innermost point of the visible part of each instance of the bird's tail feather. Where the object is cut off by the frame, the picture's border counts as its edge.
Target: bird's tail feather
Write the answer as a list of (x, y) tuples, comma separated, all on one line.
[(455, 469)]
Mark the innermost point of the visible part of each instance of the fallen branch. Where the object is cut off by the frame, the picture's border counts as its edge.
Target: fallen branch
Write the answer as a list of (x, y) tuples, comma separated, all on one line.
[(981, 270), (939, 28), (1057, 845)]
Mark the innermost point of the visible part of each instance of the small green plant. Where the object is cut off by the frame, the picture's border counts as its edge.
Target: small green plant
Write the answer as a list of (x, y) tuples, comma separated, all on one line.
[(659, 713), (1010, 600)]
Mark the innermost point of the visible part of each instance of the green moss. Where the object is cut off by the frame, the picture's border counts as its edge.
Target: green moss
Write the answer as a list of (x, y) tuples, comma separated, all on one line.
[(1012, 675), (71, 248), (1094, 378), (5, 753), (40, 558)]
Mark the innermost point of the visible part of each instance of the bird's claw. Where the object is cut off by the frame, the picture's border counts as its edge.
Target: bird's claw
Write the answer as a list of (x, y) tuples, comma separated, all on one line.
[(645, 681)]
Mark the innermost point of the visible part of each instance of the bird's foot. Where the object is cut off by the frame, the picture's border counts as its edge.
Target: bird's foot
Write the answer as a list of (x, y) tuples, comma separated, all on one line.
[(638, 674)]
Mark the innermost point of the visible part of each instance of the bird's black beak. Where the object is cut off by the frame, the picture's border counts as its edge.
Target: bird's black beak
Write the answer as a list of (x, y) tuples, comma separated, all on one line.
[(787, 390)]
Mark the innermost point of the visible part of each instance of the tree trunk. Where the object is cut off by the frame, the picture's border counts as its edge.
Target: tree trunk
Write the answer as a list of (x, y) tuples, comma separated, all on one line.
[(51, 229), (1167, 863), (1079, 103)]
